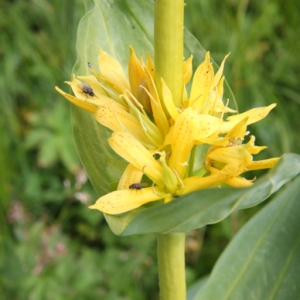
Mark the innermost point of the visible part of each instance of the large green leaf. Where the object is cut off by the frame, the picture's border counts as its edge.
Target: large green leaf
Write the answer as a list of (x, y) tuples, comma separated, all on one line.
[(114, 26), (204, 207), (262, 261)]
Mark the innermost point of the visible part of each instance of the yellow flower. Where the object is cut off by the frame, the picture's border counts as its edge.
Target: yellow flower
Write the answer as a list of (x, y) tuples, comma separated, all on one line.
[(156, 137)]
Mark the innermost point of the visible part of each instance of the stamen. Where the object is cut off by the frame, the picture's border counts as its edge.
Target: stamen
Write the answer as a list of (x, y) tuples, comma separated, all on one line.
[(153, 99), (118, 120), (182, 186)]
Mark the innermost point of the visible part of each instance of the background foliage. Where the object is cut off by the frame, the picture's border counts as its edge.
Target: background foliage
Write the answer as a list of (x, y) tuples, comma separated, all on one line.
[(49, 240)]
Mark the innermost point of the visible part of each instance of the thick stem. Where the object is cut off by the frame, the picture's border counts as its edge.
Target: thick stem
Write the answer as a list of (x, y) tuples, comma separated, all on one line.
[(171, 266), (168, 46)]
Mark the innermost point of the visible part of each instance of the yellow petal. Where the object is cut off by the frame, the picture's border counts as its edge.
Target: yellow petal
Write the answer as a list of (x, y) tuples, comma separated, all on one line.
[(168, 175), (250, 146), (109, 89), (135, 153), (239, 130), (90, 81), (263, 164), (158, 113), (202, 81), (256, 149), (144, 98), (230, 170), (130, 175), (255, 115), (218, 106), (187, 70), (100, 97), (227, 175), (218, 75), (184, 135), (150, 129), (168, 139), (118, 119), (150, 65), (214, 141), (75, 85), (78, 102), (198, 183), (122, 201), (220, 88), (207, 125), (135, 72), (236, 155), (168, 101), (112, 71), (93, 83), (239, 182)]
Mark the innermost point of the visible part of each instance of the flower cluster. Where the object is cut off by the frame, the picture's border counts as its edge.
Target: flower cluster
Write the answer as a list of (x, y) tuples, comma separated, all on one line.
[(158, 139)]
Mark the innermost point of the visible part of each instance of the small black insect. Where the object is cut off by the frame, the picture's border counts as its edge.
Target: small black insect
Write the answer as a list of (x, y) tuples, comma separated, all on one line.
[(86, 89), (138, 186)]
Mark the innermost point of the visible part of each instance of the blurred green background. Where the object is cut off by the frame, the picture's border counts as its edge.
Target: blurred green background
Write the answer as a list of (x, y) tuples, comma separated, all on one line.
[(51, 245)]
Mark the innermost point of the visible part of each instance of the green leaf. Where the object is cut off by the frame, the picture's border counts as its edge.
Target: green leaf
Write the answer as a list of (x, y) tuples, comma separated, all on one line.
[(204, 207), (262, 261), (196, 287)]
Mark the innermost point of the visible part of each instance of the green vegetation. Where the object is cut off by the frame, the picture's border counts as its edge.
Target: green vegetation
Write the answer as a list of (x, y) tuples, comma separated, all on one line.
[(51, 245)]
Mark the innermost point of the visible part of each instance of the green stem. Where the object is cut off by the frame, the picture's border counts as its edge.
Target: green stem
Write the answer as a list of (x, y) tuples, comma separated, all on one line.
[(168, 46), (168, 61), (171, 266)]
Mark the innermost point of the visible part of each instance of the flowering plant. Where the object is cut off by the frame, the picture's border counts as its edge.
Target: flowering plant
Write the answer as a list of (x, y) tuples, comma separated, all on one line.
[(165, 155), (146, 125)]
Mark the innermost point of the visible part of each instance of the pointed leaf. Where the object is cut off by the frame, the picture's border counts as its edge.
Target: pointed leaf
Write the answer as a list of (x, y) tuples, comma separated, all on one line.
[(262, 261)]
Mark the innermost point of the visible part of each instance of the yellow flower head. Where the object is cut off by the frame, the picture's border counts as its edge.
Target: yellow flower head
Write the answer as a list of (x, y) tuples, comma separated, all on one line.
[(157, 138)]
